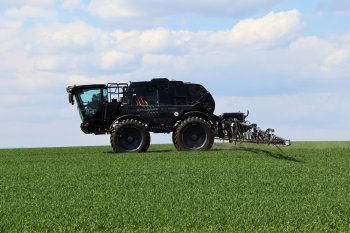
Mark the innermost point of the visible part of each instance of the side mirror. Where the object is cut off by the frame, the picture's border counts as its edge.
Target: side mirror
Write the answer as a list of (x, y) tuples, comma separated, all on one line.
[(71, 99)]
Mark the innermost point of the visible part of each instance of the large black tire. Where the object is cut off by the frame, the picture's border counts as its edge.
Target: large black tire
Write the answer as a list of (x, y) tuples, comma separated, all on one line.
[(193, 133), (130, 136)]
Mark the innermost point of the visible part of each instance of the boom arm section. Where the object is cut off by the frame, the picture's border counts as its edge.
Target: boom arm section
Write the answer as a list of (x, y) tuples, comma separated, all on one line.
[(234, 128)]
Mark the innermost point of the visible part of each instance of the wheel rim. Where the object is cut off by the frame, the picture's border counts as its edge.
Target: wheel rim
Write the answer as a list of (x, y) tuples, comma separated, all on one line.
[(194, 136), (130, 138)]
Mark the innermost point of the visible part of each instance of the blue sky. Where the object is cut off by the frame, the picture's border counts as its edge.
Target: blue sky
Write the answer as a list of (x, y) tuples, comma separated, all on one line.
[(288, 62)]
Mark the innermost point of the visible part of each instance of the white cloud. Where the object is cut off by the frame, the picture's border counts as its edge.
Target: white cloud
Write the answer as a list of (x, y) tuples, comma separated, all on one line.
[(121, 9), (325, 57), (157, 40), (162, 40), (47, 62), (112, 10), (272, 29), (79, 47), (69, 38), (9, 31), (28, 2), (295, 107), (337, 62), (114, 60), (28, 12), (72, 4), (269, 29), (74, 79), (338, 6)]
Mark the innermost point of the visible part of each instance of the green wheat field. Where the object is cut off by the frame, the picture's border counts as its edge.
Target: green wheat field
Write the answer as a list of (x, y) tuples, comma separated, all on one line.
[(232, 188)]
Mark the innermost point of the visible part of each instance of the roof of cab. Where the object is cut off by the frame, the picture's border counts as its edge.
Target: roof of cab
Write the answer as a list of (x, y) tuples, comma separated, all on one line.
[(72, 89)]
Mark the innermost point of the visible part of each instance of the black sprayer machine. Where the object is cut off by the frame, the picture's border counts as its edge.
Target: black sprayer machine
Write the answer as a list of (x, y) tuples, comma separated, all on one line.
[(129, 112)]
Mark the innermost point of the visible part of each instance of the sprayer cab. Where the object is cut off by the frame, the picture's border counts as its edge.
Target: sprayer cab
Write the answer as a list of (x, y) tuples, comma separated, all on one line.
[(90, 100), (96, 103)]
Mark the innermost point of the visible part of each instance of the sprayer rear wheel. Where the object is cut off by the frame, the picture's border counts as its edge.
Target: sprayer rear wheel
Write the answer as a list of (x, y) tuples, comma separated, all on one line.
[(193, 133)]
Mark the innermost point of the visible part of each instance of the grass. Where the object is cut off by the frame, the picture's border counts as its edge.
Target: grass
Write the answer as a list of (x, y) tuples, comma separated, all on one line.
[(232, 188)]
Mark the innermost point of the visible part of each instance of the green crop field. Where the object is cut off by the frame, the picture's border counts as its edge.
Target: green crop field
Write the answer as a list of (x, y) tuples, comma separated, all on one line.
[(232, 188)]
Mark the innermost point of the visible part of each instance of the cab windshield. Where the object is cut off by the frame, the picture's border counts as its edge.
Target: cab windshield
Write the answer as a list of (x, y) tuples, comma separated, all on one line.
[(90, 102)]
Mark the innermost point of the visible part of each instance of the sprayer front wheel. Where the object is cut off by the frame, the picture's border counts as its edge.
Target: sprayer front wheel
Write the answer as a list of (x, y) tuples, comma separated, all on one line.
[(130, 136)]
